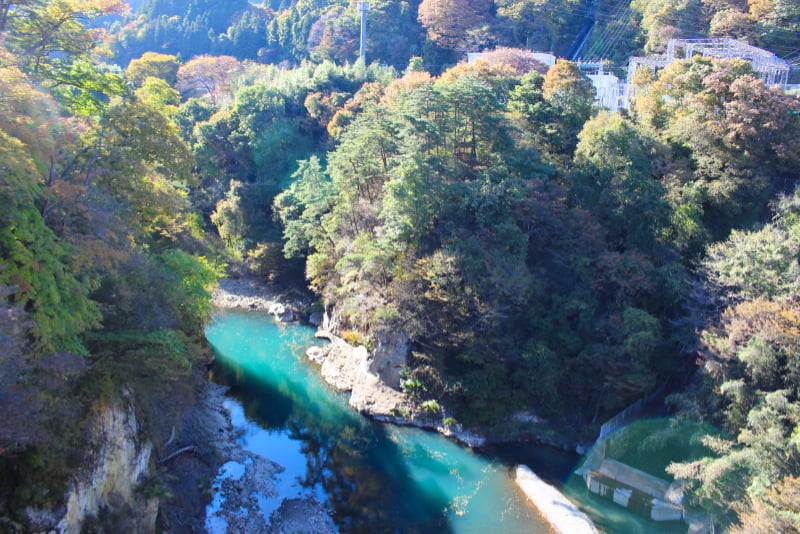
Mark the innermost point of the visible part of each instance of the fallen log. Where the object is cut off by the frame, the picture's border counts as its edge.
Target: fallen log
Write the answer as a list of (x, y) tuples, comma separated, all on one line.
[(190, 448)]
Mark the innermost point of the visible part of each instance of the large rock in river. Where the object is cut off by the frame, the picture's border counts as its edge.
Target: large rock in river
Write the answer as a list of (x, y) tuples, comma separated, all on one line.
[(389, 356), (354, 369)]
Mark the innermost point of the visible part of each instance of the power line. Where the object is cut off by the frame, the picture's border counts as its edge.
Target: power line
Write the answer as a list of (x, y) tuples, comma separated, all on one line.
[(615, 36), (614, 17), (603, 37)]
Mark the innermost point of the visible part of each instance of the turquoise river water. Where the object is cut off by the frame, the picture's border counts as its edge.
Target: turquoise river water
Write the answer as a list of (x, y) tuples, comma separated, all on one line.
[(373, 477)]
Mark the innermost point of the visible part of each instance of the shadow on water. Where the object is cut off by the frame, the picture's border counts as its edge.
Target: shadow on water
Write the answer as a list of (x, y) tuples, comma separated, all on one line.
[(361, 468), (553, 465), (384, 479)]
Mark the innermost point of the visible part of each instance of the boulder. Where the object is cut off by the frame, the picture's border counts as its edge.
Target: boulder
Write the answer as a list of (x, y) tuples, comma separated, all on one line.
[(317, 354), (315, 319), (390, 356), (286, 317)]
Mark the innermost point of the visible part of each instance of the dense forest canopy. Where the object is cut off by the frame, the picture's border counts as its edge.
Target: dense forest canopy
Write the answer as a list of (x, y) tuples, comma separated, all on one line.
[(526, 242), (441, 30), (103, 260)]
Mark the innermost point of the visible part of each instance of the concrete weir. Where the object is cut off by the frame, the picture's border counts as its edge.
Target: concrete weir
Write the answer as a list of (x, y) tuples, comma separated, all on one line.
[(556, 509)]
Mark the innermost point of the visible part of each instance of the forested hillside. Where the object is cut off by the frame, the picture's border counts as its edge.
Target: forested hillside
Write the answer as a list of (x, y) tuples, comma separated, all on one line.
[(440, 31), (528, 244), (103, 273), (542, 255)]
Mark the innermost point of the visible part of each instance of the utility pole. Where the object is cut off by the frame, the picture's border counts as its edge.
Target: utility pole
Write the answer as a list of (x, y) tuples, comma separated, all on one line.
[(363, 7)]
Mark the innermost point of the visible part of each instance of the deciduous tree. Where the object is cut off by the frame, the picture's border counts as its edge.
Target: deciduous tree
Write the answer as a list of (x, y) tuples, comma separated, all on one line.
[(449, 21), (207, 75), (153, 64)]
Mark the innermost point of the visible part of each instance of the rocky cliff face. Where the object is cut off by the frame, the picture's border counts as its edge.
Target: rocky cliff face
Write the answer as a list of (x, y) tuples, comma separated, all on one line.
[(349, 368), (372, 377), (367, 376), (390, 356), (115, 467)]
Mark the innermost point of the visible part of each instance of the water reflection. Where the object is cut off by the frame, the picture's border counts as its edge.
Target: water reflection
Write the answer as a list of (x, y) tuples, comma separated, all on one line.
[(650, 445), (360, 470), (375, 478)]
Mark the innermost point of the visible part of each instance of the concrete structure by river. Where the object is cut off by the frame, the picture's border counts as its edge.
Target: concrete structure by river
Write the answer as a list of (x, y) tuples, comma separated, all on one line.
[(614, 93)]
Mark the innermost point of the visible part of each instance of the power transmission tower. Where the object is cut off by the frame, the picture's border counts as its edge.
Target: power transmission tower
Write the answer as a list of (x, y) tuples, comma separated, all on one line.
[(363, 7)]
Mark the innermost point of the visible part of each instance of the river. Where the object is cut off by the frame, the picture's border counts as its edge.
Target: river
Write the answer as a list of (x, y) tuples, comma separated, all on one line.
[(373, 477)]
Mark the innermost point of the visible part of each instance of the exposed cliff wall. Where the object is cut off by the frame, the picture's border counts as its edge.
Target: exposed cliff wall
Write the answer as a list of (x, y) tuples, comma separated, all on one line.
[(367, 376), (349, 368), (370, 375), (116, 465)]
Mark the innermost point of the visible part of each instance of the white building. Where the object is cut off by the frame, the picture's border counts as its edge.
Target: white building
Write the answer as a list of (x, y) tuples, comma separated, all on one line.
[(610, 92), (614, 94)]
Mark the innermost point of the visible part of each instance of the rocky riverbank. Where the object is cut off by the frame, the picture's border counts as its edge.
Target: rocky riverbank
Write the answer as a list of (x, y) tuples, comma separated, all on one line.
[(215, 463), (364, 375), (236, 479), (245, 478), (372, 378), (247, 294)]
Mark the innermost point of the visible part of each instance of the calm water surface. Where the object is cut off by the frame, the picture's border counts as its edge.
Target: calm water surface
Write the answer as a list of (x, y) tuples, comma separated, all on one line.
[(374, 477)]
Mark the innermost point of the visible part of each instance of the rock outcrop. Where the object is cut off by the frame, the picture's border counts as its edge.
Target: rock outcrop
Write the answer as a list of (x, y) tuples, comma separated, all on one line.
[(389, 357), (113, 472), (373, 380), (251, 295), (349, 368)]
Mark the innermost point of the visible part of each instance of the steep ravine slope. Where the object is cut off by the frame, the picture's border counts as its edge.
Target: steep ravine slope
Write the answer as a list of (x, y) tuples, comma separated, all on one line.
[(109, 485)]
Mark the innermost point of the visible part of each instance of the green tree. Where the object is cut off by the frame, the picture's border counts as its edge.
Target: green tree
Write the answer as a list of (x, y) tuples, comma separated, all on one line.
[(749, 365), (153, 64), (302, 209), (46, 32), (667, 19), (474, 122), (736, 133), (229, 220), (571, 95), (159, 95), (777, 511), (189, 292), (754, 264), (777, 23), (448, 22), (536, 24), (37, 267), (334, 36), (35, 264), (622, 181)]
